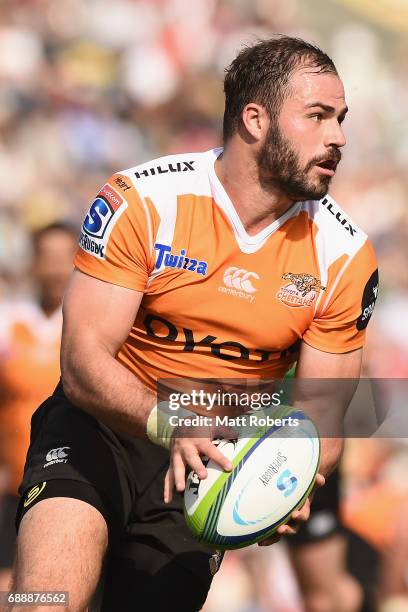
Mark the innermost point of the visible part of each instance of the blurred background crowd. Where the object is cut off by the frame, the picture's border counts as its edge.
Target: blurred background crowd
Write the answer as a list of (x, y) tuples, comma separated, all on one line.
[(88, 87)]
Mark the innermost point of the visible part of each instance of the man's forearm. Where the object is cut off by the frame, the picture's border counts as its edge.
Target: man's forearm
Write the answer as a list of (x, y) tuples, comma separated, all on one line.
[(96, 382)]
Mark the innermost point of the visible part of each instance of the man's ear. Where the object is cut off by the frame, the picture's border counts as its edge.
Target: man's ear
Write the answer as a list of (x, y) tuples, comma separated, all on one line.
[(255, 120)]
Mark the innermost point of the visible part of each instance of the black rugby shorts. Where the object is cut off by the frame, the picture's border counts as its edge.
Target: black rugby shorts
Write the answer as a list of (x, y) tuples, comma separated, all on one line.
[(153, 560)]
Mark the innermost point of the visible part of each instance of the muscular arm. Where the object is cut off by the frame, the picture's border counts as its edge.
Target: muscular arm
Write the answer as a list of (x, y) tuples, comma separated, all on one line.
[(326, 397), (97, 319)]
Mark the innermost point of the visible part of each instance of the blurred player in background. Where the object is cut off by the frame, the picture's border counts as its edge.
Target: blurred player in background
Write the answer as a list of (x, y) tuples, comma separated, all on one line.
[(318, 552), (30, 337), (319, 556)]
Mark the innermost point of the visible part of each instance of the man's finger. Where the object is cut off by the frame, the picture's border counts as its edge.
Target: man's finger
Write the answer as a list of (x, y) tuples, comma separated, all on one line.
[(213, 453), (179, 471), (168, 485), (303, 513), (271, 540), (288, 529), (320, 481), (193, 459)]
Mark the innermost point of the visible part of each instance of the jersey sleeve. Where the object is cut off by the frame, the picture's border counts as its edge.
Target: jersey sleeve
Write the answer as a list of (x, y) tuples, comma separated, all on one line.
[(115, 243), (341, 324)]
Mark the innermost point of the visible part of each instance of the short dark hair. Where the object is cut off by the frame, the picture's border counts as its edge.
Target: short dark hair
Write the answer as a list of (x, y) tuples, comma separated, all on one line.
[(260, 73), (56, 226)]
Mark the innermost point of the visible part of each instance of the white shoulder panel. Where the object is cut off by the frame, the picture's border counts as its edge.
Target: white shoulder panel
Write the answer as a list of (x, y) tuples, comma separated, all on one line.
[(172, 174), (337, 235), (163, 180)]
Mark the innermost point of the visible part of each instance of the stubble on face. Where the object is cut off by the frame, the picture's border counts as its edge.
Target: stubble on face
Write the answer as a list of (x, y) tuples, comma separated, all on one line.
[(279, 168)]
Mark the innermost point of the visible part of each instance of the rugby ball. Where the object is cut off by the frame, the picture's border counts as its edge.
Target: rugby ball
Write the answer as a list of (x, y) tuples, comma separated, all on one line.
[(273, 473)]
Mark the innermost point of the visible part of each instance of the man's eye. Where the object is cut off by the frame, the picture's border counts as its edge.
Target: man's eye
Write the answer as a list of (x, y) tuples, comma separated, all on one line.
[(317, 117)]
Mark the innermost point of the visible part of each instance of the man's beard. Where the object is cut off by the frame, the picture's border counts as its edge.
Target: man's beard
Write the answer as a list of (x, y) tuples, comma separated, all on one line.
[(279, 168)]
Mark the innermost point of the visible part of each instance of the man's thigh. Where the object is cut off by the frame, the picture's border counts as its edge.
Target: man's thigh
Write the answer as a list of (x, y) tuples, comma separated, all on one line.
[(73, 456), (75, 496), (158, 565), (61, 546), (145, 576)]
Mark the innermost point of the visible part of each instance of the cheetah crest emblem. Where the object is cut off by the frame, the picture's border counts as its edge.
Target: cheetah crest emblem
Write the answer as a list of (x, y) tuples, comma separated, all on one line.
[(301, 289)]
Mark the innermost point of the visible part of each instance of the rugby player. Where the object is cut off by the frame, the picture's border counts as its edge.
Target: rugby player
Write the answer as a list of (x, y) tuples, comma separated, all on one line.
[(212, 265), (30, 338)]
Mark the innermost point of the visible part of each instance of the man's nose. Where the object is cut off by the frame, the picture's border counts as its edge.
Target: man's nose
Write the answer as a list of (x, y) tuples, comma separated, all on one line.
[(335, 135)]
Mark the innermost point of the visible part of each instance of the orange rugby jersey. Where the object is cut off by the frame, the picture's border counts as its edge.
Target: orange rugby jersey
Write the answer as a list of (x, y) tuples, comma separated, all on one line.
[(217, 301)]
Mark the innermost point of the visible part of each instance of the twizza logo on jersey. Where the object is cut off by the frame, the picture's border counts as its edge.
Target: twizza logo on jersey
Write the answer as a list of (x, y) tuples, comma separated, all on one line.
[(166, 258), (103, 213)]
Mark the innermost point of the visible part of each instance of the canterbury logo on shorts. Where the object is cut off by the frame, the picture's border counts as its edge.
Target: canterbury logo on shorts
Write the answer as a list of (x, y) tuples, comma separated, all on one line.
[(34, 493), (56, 455)]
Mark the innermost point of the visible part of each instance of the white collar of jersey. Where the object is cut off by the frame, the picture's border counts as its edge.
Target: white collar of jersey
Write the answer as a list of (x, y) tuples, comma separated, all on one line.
[(224, 201)]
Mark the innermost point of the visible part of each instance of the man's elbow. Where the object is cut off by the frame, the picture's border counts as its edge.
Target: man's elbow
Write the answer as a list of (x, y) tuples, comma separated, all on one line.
[(70, 381), (69, 390)]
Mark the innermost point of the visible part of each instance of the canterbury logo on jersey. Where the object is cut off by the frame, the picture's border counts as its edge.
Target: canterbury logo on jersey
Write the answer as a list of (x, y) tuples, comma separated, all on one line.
[(56, 455), (178, 260), (238, 282), (240, 279), (183, 166)]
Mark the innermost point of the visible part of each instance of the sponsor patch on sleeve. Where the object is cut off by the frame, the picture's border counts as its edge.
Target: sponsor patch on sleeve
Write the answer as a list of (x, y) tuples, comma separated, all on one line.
[(368, 302), (99, 221)]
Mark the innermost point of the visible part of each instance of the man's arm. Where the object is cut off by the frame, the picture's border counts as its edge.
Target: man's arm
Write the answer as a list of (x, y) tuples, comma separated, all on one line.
[(326, 402), (324, 387), (97, 319)]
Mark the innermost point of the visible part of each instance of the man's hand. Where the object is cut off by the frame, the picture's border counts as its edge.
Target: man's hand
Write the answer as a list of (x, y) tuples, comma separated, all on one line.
[(297, 518), (187, 452), (314, 400)]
